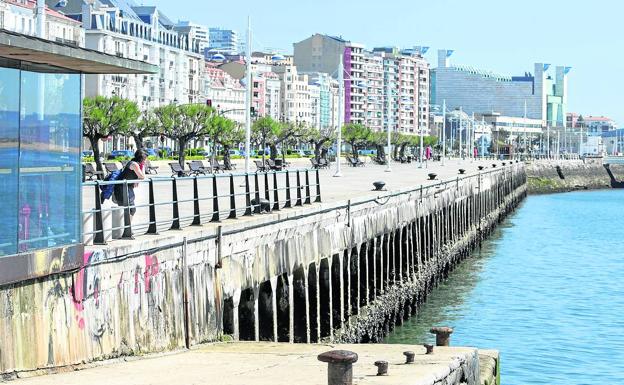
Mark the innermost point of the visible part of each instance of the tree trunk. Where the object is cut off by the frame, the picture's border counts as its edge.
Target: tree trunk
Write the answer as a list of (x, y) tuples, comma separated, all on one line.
[(182, 146), (138, 141), (226, 157), (354, 150), (317, 150), (395, 151), (213, 156), (381, 152), (402, 150), (273, 149), (96, 153)]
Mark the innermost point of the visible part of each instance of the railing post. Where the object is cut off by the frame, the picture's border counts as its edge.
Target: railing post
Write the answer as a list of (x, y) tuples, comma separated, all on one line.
[(232, 198), (152, 229), (298, 202), (318, 187), (276, 206), (98, 237), (176, 209), (307, 188), (257, 192), (288, 203), (127, 233), (215, 200), (196, 215), (248, 210)]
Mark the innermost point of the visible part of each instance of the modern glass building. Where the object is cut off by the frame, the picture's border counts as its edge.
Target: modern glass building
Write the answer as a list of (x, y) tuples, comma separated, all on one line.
[(40, 136), (539, 95)]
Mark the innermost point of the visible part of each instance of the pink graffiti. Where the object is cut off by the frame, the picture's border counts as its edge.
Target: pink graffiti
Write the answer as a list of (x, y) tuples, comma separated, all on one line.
[(79, 289), (152, 268)]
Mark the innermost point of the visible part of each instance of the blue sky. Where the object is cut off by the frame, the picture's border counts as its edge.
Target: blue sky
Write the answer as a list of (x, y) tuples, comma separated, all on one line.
[(504, 36)]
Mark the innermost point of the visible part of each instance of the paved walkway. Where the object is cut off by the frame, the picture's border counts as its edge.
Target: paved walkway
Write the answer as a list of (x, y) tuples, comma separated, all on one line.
[(266, 364), (355, 183)]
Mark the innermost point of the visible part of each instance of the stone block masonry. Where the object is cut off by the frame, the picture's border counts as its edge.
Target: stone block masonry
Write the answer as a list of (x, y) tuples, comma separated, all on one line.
[(551, 176), (341, 271)]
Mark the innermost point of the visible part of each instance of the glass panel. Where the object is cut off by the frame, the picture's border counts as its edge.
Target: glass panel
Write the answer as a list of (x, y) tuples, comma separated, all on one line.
[(49, 180), (9, 137)]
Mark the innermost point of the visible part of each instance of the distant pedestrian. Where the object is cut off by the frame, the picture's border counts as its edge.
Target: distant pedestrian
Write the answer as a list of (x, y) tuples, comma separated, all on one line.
[(132, 171)]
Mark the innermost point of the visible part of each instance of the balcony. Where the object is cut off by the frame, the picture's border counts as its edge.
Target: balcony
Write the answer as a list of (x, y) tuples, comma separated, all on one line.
[(73, 43)]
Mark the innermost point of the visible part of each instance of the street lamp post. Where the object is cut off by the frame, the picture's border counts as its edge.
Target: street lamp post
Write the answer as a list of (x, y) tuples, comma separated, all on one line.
[(340, 114), (443, 131), (388, 126), (248, 97)]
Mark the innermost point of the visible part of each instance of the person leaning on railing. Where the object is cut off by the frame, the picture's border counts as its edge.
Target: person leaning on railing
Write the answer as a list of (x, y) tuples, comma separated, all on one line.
[(133, 170)]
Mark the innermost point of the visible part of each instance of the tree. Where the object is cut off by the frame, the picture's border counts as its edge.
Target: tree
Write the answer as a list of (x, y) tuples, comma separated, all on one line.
[(356, 135), (319, 138), (147, 125), (184, 123), (227, 133), (104, 117), (379, 140), (264, 131), (290, 134)]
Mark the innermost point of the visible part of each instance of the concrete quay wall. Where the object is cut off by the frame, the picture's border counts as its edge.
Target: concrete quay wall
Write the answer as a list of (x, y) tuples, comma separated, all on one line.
[(552, 176), (345, 272)]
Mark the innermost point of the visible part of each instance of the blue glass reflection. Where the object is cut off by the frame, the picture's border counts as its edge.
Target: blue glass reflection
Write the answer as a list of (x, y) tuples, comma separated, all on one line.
[(49, 184), (9, 145)]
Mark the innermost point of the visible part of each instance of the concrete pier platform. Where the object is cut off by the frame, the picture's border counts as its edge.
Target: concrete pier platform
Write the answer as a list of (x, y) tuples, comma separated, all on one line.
[(284, 364)]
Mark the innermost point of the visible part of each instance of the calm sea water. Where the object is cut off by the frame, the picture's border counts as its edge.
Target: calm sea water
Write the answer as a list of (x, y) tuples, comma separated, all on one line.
[(547, 290)]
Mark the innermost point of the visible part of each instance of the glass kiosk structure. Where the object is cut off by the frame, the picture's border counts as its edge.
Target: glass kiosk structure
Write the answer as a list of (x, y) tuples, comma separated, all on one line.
[(40, 162)]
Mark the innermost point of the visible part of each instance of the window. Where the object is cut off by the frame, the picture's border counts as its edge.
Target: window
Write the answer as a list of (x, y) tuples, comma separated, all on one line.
[(40, 171)]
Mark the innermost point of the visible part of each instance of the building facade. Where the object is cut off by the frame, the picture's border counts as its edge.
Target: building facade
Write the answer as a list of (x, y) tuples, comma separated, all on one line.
[(141, 33), (20, 16), (597, 125), (296, 104), (385, 87), (542, 94), (327, 103), (223, 41), (225, 93), (196, 32)]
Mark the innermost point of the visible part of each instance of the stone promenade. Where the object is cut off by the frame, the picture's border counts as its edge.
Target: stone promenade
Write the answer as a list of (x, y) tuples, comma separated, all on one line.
[(286, 364)]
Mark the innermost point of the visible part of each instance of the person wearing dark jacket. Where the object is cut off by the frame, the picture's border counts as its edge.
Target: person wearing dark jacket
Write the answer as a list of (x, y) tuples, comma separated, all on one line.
[(132, 171)]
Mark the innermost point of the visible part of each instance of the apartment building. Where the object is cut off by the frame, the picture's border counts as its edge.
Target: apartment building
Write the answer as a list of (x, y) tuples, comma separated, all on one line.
[(20, 16), (225, 93), (296, 104), (322, 53), (325, 99), (384, 87), (223, 41), (373, 87), (196, 32), (266, 94), (144, 33)]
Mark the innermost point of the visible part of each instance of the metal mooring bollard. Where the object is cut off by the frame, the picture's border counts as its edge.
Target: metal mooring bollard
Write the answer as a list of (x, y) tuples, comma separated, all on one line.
[(409, 357), (429, 349), (340, 366), (443, 335), (382, 368)]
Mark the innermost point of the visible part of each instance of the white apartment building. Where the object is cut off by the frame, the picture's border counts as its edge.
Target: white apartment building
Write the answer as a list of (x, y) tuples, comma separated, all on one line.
[(295, 94), (196, 32), (225, 93), (143, 33), (374, 90), (20, 16)]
